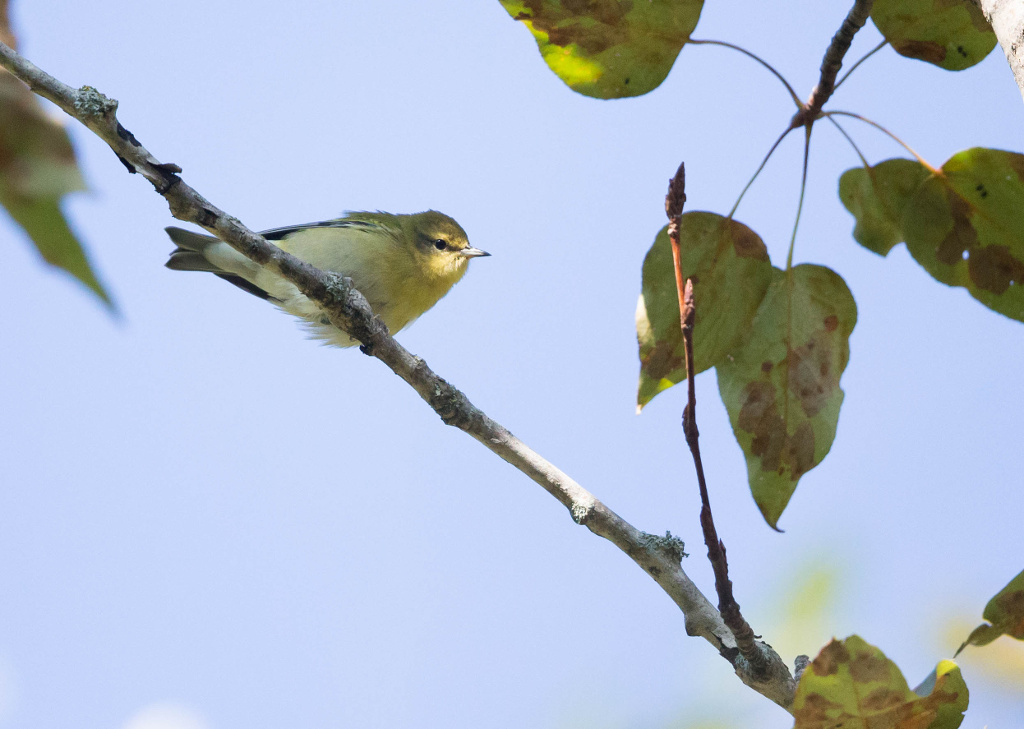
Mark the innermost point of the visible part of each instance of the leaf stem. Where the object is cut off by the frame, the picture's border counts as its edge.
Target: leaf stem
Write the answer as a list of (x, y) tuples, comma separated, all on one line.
[(885, 131), (849, 139), (800, 204), (758, 172), (865, 57), (793, 95)]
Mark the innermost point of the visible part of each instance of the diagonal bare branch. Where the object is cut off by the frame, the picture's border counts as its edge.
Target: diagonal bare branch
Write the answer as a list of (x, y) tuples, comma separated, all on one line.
[(660, 557)]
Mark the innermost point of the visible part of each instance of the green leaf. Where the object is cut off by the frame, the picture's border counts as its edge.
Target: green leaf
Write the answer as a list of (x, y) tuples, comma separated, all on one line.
[(877, 197), (966, 227), (37, 168), (729, 265), (42, 219), (781, 387), (609, 49), (951, 34), (1004, 613), (851, 685), (964, 223)]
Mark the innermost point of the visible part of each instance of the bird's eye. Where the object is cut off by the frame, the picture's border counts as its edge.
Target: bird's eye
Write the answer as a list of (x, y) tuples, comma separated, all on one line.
[(440, 244)]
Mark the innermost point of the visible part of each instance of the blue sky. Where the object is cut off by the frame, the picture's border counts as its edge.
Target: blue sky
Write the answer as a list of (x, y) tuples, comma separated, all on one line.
[(208, 518)]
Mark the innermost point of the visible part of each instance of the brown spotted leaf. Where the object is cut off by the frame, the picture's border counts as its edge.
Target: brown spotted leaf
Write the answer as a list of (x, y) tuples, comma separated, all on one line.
[(730, 269), (964, 223), (966, 227), (952, 34), (852, 685), (877, 197), (609, 49), (1004, 613), (37, 168), (781, 386)]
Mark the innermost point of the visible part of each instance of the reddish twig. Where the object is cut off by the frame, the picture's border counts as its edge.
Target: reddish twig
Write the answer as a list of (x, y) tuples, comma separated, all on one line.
[(674, 202), (746, 643)]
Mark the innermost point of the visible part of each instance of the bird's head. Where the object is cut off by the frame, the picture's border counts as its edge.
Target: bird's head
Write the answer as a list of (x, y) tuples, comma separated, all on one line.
[(440, 245)]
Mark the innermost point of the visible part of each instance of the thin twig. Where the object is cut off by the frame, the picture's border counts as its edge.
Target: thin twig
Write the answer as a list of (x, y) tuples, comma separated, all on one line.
[(833, 62), (348, 310), (748, 646), (674, 202)]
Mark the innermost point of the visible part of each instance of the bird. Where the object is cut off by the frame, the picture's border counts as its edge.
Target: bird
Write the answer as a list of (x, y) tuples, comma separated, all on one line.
[(402, 264)]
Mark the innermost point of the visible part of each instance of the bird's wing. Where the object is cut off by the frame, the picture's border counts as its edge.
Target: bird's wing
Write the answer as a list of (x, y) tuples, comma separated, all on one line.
[(280, 233)]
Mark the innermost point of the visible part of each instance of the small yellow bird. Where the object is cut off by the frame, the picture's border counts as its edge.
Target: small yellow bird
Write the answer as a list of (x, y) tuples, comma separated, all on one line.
[(402, 264)]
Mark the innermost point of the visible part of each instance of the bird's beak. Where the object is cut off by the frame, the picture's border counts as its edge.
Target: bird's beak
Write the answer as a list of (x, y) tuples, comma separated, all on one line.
[(473, 252)]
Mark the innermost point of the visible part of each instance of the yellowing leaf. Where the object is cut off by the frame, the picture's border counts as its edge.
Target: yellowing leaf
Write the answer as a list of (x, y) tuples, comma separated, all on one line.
[(951, 34), (852, 685), (729, 265), (1004, 613), (781, 387), (609, 49), (964, 225), (37, 168)]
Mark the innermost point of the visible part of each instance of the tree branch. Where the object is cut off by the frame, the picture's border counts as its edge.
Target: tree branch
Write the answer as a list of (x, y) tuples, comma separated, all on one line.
[(1007, 20), (833, 60), (660, 557), (832, 63)]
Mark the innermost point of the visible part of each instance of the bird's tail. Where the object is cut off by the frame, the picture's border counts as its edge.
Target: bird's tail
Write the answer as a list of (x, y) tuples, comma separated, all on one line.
[(198, 252), (190, 253)]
